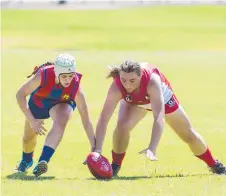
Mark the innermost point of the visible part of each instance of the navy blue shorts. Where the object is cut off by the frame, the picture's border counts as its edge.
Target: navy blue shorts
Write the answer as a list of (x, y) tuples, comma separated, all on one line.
[(43, 113)]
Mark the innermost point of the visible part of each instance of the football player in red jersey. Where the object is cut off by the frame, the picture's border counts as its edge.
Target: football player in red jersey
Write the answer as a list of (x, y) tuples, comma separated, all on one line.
[(54, 91), (139, 88)]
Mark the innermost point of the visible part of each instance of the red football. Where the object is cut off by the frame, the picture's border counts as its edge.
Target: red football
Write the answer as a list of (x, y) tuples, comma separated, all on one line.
[(99, 166)]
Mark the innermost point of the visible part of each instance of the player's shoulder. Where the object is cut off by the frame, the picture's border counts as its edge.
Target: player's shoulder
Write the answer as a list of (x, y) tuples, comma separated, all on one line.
[(114, 88), (36, 79), (38, 75), (48, 68), (114, 85), (48, 72), (154, 81)]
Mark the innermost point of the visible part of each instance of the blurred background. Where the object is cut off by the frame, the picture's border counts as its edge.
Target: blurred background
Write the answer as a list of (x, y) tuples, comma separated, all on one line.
[(84, 4)]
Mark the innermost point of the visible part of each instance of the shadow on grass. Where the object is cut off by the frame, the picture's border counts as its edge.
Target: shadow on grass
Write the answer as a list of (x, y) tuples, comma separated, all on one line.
[(160, 176), (24, 176), (153, 176)]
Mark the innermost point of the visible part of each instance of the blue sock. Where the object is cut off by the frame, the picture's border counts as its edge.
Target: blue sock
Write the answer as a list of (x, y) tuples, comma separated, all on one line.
[(27, 156), (47, 153)]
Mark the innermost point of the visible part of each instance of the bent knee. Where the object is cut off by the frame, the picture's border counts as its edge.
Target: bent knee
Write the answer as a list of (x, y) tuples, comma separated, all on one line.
[(27, 140)]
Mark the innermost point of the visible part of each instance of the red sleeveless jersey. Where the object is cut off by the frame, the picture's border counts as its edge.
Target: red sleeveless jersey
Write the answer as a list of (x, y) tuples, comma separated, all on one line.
[(141, 96), (49, 91)]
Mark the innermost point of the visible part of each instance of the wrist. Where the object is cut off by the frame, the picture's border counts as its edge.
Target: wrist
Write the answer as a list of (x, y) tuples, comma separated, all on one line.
[(30, 119), (98, 151), (92, 142), (92, 148), (29, 116)]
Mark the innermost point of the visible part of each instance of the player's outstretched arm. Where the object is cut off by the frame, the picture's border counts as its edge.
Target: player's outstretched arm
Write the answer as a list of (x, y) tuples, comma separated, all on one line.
[(157, 104), (112, 99), (84, 114)]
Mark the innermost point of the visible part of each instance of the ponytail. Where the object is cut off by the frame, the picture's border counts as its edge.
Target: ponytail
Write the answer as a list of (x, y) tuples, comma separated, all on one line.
[(37, 68), (114, 71)]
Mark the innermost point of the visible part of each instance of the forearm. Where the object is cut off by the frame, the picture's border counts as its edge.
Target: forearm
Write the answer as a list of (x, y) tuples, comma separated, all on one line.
[(21, 100), (90, 133), (157, 130), (100, 135)]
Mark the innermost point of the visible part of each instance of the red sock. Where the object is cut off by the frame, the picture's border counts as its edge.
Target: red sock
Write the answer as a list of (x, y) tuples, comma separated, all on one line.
[(207, 158), (117, 158)]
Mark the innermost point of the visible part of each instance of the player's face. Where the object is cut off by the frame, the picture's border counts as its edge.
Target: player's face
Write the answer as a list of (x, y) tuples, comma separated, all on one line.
[(65, 79), (130, 81)]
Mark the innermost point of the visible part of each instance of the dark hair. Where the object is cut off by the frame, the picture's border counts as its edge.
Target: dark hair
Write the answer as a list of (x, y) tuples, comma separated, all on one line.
[(39, 67), (127, 66)]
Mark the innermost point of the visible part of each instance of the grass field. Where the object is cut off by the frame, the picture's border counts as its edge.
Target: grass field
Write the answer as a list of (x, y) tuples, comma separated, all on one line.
[(189, 46)]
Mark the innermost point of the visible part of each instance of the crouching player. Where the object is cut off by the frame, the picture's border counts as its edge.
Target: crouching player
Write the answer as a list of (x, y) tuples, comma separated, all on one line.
[(139, 88), (54, 92)]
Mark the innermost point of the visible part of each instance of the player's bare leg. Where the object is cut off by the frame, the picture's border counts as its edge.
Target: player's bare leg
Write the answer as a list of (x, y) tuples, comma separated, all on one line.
[(180, 123), (128, 116), (28, 143), (29, 138), (60, 114)]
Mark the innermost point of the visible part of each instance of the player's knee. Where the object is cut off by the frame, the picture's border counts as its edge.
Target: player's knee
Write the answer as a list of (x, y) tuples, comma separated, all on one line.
[(28, 140)]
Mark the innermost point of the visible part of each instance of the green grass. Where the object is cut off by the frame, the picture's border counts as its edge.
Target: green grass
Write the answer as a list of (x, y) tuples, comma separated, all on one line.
[(154, 28), (192, 41)]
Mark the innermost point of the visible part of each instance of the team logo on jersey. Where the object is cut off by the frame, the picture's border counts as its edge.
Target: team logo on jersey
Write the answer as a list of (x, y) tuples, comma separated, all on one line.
[(65, 97), (129, 98), (171, 103)]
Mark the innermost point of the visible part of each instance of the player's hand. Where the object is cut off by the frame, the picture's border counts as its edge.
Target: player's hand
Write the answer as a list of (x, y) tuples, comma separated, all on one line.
[(85, 161), (149, 154), (37, 126)]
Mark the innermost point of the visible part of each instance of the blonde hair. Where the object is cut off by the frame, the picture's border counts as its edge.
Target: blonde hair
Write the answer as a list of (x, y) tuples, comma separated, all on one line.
[(127, 66)]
